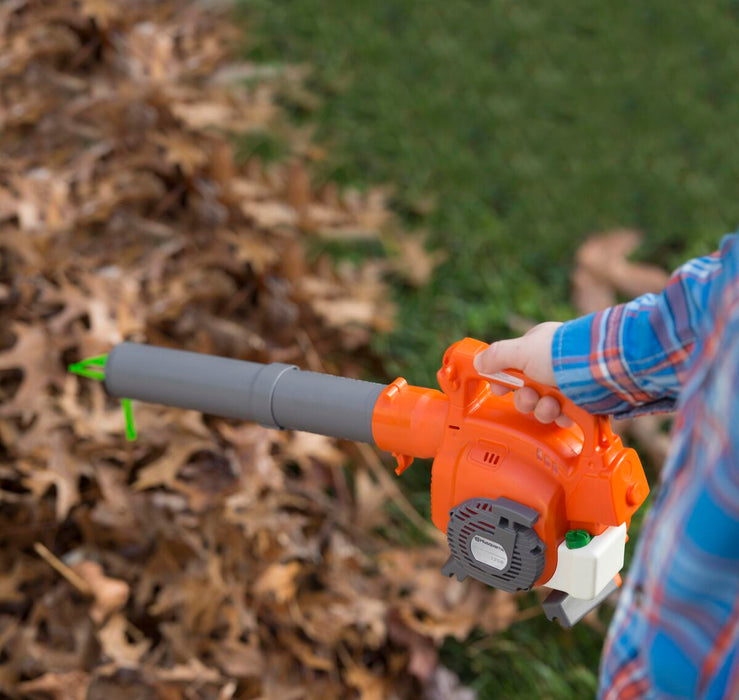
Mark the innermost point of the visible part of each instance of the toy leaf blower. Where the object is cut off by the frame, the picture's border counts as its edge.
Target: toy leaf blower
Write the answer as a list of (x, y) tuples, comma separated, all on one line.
[(523, 504)]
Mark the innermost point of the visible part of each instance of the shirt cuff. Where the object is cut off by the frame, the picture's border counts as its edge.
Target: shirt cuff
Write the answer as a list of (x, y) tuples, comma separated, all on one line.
[(576, 365)]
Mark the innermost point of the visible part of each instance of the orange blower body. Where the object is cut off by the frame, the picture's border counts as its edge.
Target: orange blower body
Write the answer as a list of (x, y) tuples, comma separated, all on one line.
[(576, 478)]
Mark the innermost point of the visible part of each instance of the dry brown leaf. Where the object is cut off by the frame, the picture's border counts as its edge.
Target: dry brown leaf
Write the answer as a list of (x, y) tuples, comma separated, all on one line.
[(60, 472), (298, 189), (253, 249), (239, 660), (33, 354), (72, 685), (194, 671), (307, 653), (606, 257), (163, 471), (115, 643), (589, 292), (270, 214), (196, 115), (371, 501), (341, 312), (368, 685), (181, 151), (115, 509), (110, 594), (306, 446), (279, 581), (415, 263), (10, 587)]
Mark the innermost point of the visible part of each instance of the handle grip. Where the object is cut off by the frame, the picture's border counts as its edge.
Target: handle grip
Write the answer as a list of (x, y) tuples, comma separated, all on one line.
[(596, 429)]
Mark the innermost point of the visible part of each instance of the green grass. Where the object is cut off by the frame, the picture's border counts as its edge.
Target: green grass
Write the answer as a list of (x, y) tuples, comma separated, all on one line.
[(531, 125), (528, 661)]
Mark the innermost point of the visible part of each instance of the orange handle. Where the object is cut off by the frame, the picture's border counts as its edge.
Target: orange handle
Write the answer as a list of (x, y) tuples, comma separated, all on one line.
[(596, 429)]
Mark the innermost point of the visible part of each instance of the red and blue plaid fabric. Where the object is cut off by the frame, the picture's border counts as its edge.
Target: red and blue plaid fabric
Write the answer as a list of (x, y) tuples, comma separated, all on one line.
[(675, 633)]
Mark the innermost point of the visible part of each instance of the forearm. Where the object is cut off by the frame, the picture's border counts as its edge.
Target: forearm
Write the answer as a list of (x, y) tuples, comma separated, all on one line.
[(633, 358), (593, 367)]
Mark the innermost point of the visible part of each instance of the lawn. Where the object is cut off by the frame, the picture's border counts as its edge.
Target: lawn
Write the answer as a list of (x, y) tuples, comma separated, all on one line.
[(529, 127)]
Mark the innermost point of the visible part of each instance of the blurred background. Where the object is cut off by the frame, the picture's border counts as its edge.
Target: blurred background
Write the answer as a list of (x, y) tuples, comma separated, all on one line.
[(350, 187), (522, 129)]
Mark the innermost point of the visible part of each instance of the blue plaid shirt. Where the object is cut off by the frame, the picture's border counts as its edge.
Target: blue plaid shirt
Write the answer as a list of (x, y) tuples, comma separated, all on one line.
[(675, 633)]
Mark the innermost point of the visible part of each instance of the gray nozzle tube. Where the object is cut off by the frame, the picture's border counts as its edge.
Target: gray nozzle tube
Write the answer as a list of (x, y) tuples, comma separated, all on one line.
[(276, 395)]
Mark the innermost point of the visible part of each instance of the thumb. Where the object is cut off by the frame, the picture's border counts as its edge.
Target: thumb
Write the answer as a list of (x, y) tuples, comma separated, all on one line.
[(531, 354), (501, 355)]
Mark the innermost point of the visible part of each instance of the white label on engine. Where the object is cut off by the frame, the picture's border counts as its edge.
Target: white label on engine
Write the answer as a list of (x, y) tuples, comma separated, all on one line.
[(488, 552)]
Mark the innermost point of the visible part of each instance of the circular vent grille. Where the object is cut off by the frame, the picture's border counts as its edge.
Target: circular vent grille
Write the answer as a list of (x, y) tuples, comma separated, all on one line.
[(494, 541)]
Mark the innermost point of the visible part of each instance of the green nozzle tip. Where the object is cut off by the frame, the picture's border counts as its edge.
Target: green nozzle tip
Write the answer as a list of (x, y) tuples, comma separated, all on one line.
[(128, 415), (574, 539), (83, 368), (92, 368)]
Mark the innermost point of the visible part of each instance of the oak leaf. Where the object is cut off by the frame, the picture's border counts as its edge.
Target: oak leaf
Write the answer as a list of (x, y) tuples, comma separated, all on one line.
[(278, 581), (110, 594), (116, 645), (72, 685), (33, 354)]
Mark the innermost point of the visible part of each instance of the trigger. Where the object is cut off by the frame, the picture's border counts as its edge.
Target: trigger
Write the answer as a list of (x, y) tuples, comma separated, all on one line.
[(404, 461)]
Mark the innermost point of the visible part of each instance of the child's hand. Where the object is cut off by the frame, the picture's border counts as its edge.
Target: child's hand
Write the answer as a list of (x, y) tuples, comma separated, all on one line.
[(532, 354)]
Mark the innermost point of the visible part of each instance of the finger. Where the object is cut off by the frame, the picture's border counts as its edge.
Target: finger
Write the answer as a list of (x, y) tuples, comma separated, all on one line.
[(564, 421), (525, 399), (501, 355), (547, 409), (499, 389)]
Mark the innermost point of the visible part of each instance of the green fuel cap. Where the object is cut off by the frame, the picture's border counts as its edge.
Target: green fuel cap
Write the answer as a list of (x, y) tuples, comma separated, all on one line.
[(574, 539)]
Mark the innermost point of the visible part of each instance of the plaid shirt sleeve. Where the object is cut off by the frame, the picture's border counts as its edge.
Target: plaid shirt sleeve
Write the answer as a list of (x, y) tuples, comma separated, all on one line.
[(675, 633), (632, 358)]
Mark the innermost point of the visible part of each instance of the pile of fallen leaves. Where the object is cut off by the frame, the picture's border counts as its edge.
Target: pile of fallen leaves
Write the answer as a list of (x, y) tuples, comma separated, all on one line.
[(210, 558)]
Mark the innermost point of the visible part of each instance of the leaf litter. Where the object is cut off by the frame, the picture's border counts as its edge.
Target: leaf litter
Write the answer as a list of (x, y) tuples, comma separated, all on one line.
[(210, 558)]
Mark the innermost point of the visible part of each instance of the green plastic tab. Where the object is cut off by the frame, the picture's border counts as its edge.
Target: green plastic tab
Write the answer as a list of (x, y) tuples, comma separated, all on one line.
[(83, 369), (128, 415), (574, 539)]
